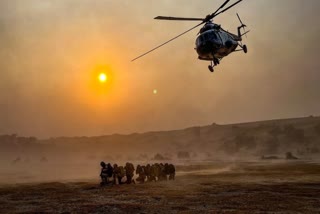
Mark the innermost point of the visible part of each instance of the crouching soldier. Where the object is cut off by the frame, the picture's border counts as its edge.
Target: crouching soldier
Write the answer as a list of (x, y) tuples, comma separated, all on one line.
[(118, 174)]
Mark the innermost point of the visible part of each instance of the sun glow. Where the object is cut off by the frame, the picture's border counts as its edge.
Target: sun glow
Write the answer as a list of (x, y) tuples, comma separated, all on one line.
[(102, 77), (100, 86)]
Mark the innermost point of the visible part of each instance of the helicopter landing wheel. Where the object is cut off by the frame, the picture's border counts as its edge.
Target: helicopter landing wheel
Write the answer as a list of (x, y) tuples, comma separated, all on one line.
[(245, 49), (210, 67)]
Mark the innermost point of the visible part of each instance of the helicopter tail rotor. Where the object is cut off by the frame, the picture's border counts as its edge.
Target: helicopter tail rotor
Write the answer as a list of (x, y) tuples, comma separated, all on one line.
[(243, 26)]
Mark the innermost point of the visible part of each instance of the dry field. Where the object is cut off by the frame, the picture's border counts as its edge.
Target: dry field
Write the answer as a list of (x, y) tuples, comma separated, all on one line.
[(260, 187)]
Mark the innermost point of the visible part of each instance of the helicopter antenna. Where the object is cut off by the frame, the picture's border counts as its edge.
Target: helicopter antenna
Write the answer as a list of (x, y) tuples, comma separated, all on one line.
[(159, 46)]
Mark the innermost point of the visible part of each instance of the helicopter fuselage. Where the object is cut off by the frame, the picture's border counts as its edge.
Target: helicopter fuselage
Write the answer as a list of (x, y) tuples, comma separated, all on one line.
[(215, 43)]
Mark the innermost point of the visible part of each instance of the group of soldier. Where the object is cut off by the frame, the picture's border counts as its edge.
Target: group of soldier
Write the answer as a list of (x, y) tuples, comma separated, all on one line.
[(146, 173)]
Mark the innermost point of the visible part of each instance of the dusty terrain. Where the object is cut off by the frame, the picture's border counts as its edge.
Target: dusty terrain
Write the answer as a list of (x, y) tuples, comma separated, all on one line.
[(248, 187), (220, 169)]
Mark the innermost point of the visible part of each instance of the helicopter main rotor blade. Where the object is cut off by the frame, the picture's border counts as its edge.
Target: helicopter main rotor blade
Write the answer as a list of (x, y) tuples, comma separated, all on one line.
[(206, 19), (159, 46), (227, 8), (177, 18), (222, 6)]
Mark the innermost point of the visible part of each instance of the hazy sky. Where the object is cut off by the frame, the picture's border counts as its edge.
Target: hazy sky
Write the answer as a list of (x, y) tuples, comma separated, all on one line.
[(52, 50)]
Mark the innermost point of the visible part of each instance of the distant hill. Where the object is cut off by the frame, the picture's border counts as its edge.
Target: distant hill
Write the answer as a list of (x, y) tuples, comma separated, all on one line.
[(299, 135)]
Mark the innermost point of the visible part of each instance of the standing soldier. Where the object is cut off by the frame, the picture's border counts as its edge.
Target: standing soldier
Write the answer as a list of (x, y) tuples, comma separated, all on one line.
[(118, 174), (141, 172), (129, 168), (153, 172), (103, 173), (157, 171), (172, 171), (162, 172), (109, 172), (166, 170), (148, 172)]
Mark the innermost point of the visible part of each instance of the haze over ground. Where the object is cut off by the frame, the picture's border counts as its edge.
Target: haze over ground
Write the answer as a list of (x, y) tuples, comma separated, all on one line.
[(50, 52)]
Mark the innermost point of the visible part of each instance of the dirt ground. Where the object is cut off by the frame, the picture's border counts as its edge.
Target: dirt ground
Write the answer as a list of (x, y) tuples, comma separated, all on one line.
[(260, 187)]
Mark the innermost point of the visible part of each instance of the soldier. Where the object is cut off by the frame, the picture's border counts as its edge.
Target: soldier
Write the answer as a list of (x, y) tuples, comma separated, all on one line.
[(103, 173), (142, 175), (172, 171), (118, 174), (162, 175), (166, 171), (109, 172), (153, 173), (138, 170), (129, 168), (157, 171), (148, 170)]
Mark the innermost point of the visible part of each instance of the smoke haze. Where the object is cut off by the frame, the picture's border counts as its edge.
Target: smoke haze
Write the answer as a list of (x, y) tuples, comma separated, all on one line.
[(50, 52)]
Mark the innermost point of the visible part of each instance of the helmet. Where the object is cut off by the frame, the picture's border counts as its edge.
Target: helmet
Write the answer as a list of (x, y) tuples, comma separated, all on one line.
[(102, 164)]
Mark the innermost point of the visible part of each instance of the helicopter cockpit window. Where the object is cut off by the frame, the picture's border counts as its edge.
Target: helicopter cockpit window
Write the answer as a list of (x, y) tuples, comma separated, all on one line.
[(210, 35)]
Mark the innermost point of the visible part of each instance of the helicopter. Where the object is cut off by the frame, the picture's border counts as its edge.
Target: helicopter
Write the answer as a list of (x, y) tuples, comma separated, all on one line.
[(213, 43)]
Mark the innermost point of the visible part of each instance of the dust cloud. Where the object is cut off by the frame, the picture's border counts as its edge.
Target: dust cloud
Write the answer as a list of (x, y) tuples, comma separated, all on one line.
[(212, 149)]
